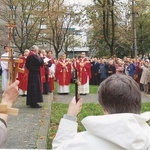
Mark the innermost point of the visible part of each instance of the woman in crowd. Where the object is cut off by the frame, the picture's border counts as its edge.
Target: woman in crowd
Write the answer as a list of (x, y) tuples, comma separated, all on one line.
[(144, 76), (103, 69)]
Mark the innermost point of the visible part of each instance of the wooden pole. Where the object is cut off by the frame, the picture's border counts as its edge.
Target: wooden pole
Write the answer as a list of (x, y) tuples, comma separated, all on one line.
[(10, 62), (13, 63), (12, 72)]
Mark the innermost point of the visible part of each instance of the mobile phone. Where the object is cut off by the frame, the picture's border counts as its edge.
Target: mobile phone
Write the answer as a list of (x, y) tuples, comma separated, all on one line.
[(76, 86)]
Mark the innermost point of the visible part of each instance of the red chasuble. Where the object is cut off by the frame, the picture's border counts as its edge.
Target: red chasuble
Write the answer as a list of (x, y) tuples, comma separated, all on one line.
[(63, 72), (51, 75), (23, 77), (84, 70)]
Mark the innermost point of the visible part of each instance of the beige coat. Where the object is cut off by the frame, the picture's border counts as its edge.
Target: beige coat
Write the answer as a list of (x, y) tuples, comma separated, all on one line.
[(148, 76), (144, 75)]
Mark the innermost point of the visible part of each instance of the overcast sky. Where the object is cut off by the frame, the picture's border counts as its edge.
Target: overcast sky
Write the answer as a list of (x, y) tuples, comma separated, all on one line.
[(84, 2), (81, 2)]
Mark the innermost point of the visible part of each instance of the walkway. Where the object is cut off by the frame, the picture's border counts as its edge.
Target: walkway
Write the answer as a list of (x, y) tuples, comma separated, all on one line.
[(91, 98), (29, 129)]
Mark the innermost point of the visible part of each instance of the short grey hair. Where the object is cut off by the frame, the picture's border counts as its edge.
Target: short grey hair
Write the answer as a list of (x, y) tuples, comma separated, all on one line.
[(34, 47), (120, 94)]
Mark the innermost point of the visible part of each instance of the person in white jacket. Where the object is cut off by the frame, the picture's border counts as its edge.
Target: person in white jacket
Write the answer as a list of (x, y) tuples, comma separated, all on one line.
[(121, 127), (4, 65)]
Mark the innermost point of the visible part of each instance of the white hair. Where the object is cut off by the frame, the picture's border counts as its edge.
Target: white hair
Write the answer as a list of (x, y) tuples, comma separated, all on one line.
[(34, 47), (26, 50), (147, 60)]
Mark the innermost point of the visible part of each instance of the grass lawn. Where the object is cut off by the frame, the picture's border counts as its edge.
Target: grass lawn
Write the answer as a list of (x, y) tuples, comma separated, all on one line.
[(93, 88), (58, 110)]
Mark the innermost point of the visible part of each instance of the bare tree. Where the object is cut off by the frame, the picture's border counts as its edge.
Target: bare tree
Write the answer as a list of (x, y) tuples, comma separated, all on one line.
[(60, 19), (27, 16)]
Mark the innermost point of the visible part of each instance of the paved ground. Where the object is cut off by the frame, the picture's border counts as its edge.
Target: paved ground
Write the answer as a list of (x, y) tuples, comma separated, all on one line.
[(29, 129), (91, 98)]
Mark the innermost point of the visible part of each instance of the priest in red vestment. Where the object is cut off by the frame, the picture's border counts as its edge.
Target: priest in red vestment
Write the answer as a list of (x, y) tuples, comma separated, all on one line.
[(83, 66), (51, 71), (63, 75), (23, 77)]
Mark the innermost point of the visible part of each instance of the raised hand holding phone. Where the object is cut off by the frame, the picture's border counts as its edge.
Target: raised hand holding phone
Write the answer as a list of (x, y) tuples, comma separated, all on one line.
[(74, 107)]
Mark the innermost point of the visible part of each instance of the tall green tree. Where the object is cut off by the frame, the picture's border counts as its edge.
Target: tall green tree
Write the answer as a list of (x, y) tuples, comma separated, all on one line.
[(143, 26), (104, 16)]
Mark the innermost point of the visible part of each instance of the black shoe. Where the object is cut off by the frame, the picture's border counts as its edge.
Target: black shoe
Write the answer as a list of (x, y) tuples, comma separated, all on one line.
[(65, 93), (45, 93), (36, 106), (83, 94), (60, 93), (23, 95)]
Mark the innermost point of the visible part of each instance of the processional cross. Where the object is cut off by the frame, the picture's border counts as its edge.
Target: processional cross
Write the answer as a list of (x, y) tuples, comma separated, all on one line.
[(13, 68)]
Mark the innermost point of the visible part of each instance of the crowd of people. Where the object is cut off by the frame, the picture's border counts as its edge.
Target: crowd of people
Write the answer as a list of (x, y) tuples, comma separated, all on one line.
[(41, 70), (138, 69)]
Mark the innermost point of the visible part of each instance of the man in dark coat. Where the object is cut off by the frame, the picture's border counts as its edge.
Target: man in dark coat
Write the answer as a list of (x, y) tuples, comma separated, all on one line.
[(111, 69), (95, 80), (34, 91)]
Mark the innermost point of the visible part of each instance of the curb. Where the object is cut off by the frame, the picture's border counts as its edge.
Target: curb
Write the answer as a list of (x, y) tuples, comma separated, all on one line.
[(45, 125)]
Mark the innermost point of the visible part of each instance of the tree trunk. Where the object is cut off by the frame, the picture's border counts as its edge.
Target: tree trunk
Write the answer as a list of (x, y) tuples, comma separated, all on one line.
[(108, 14), (111, 50)]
